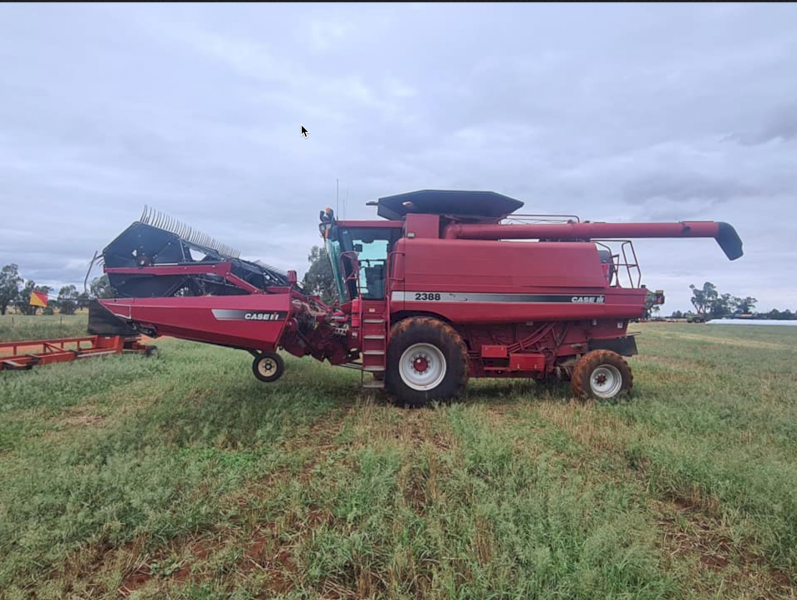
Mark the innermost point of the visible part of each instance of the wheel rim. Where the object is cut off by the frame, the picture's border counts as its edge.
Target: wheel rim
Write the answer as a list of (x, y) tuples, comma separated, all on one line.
[(267, 366), (422, 367), (606, 381)]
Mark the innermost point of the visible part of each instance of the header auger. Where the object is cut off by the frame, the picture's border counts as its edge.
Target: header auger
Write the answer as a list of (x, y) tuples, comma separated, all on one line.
[(448, 285)]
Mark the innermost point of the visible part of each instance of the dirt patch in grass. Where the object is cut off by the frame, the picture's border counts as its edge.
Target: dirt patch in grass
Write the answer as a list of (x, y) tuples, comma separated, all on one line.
[(83, 420), (690, 536)]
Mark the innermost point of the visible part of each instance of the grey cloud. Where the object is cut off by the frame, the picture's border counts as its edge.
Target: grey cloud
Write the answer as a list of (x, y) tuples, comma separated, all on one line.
[(686, 187), (780, 125)]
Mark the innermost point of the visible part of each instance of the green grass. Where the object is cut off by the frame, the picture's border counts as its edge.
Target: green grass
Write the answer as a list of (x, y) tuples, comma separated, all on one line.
[(181, 476), (39, 327)]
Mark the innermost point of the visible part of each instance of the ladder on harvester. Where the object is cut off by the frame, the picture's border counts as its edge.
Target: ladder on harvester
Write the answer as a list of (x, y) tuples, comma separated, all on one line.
[(373, 346), (373, 328)]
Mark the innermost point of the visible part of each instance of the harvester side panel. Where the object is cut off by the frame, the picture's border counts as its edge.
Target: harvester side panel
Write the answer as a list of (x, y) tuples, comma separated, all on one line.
[(501, 267), (468, 281), (252, 322)]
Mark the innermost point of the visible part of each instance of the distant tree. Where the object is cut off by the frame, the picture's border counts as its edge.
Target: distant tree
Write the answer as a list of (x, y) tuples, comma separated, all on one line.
[(83, 300), (723, 305), (100, 287), (746, 304), (23, 300), (677, 314), (67, 300), (319, 279), (651, 308), (703, 298), (9, 287)]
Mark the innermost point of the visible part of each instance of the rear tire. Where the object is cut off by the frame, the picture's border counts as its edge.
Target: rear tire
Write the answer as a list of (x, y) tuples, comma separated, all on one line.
[(427, 360), (268, 366), (602, 375)]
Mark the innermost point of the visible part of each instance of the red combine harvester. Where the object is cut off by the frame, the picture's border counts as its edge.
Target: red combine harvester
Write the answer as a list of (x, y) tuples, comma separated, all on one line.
[(449, 285)]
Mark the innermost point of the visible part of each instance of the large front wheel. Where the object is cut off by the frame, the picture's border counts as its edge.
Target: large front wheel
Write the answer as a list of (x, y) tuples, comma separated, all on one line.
[(426, 360)]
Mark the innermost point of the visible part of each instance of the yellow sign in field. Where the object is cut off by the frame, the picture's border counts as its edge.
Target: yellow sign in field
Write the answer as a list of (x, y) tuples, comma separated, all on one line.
[(38, 299)]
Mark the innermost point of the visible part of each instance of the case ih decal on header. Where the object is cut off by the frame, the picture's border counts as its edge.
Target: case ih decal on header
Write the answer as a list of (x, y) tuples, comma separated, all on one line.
[(448, 285)]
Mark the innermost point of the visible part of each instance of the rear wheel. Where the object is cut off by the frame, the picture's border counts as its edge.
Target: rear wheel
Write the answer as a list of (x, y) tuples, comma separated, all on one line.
[(603, 375), (426, 360), (268, 366)]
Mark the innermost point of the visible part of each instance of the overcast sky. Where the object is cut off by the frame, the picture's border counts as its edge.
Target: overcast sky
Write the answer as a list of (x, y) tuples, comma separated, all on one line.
[(613, 112)]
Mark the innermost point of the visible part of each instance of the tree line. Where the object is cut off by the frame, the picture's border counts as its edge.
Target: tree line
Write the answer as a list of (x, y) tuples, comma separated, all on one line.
[(15, 291), (709, 303)]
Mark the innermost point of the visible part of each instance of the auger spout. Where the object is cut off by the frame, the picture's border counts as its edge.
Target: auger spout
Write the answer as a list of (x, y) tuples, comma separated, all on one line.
[(723, 233)]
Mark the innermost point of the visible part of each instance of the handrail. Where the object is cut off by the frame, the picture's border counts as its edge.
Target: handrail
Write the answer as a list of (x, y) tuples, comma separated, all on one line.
[(391, 264), (632, 269), (355, 268), (541, 218)]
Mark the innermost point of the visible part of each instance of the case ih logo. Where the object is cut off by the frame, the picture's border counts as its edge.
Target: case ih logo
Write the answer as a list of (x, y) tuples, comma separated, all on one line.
[(588, 299), (260, 316), (248, 315)]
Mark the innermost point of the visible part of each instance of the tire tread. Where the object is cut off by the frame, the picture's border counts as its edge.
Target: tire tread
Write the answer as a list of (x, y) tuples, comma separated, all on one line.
[(585, 365)]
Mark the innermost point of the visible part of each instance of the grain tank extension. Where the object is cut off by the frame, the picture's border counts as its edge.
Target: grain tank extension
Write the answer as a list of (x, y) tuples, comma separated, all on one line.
[(448, 285)]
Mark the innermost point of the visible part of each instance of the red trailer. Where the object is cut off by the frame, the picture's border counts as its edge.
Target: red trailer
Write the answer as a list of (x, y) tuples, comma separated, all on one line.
[(449, 285), (26, 354)]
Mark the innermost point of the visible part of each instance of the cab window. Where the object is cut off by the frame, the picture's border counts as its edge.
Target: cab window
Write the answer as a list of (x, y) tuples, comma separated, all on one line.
[(372, 246)]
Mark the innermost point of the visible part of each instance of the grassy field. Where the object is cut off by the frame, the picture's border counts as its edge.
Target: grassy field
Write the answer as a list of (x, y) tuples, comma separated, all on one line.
[(181, 476), (37, 327)]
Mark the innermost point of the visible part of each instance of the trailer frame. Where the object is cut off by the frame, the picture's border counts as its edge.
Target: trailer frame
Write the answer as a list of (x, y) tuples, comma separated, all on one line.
[(25, 354)]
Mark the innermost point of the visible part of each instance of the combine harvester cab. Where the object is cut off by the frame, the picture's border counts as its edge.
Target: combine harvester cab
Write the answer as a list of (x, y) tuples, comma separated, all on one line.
[(449, 285)]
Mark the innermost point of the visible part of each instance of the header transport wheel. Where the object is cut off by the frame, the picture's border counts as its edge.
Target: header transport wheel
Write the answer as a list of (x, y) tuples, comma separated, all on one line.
[(603, 375), (268, 366), (426, 360)]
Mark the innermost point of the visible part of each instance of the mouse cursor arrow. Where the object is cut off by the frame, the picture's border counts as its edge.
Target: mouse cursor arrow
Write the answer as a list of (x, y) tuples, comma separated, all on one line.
[(304, 131)]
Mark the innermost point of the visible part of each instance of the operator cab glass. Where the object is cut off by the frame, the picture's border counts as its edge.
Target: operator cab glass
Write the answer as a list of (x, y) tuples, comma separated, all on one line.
[(372, 246)]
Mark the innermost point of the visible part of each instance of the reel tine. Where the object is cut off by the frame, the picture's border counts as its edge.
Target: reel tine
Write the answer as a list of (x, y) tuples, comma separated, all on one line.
[(155, 218)]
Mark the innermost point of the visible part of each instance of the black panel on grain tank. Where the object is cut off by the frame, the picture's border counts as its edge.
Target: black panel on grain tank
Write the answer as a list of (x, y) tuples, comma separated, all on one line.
[(448, 202)]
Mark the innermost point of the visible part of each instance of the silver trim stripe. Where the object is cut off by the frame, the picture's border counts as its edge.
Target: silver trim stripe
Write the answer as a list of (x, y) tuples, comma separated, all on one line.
[(222, 314), (497, 298)]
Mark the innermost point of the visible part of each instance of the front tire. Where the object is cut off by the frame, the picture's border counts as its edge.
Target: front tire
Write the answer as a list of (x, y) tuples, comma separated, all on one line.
[(602, 375), (426, 360), (268, 366)]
